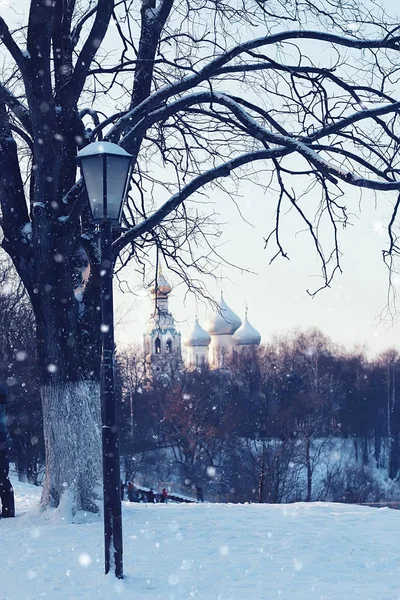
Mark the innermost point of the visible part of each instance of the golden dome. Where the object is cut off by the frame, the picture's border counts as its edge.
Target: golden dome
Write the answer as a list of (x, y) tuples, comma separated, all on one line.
[(163, 286)]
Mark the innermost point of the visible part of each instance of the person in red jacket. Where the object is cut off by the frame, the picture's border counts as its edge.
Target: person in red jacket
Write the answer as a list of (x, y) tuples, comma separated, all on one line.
[(164, 495), (131, 491)]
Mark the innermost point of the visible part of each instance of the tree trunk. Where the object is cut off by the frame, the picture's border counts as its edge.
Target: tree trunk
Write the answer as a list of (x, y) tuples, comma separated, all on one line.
[(261, 477), (365, 450), (69, 389), (72, 435), (377, 450), (309, 468), (394, 459), (260, 490)]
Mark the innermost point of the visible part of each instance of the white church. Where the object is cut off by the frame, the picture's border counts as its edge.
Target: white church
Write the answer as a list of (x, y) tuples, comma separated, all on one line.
[(223, 334)]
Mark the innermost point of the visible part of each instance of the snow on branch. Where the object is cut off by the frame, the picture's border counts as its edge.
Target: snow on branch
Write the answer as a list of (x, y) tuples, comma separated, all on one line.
[(212, 68), (300, 145), (223, 170)]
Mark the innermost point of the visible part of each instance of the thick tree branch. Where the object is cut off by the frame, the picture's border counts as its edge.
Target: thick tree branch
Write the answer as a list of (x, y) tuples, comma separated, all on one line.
[(19, 110), (12, 198), (73, 89), (38, 44), (12, 46), (300, 145), (207, 72), (177, 199), (62, 44), (152, 22)]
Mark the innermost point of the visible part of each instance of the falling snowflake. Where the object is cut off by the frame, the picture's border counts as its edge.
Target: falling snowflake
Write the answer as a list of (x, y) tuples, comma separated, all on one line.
[(379, 228), (84, 559), (298, 565), (35, 532), (173, 579)]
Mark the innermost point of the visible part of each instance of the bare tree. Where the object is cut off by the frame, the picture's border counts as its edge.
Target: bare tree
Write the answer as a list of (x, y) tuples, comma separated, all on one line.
[(276, 470), (387, 363), (132, 371), (18, 367), (214, 92)]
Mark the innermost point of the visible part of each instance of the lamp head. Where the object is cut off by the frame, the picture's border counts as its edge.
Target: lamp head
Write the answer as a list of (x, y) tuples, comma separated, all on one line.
[(106, 170)]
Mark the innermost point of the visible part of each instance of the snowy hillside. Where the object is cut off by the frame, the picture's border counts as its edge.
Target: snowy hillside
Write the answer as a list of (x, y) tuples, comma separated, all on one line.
[(207, 552)]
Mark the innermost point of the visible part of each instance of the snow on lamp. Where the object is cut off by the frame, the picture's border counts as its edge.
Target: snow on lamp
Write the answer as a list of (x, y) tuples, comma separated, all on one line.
[(106, 170)]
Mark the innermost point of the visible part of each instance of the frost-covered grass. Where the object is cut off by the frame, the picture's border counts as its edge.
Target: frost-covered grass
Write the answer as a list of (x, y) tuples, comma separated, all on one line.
[(208, 552)]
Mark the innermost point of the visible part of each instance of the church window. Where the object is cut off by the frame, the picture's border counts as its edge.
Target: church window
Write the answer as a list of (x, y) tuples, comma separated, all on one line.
[(158, 346), (169, 346)]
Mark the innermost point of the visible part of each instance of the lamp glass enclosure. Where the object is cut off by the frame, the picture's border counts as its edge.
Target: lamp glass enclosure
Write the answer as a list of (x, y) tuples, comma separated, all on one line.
[(118, 174), (92, 169)]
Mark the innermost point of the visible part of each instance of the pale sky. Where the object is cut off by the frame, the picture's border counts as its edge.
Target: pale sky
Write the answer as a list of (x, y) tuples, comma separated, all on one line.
[(276, 295), (349, 312)]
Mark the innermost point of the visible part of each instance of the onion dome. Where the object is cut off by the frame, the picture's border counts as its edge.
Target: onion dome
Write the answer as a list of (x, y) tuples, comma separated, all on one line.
[(223, 322), (163, 286), (197, 337), (247, 335)]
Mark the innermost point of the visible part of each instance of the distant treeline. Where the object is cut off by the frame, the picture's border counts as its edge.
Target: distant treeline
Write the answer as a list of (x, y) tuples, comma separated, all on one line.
[(255, 430), (269, 413)]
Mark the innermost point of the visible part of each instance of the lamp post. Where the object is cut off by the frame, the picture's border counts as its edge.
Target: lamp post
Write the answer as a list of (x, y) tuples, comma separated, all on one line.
[(106, 170)]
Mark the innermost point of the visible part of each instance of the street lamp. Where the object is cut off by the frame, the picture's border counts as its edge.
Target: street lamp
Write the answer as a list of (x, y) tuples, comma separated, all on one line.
[(106, 170)]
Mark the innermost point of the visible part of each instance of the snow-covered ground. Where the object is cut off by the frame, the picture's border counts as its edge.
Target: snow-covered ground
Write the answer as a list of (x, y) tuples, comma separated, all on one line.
[(204, 551)]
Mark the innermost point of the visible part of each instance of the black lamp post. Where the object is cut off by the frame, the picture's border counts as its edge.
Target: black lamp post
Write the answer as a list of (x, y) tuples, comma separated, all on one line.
[(106, 170)]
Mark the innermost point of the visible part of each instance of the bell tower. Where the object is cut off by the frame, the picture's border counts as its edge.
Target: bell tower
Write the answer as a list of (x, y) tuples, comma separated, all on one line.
[(162, 340)]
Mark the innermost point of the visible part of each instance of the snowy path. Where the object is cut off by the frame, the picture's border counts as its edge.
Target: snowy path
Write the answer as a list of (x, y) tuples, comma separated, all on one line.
[(207, 552)]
